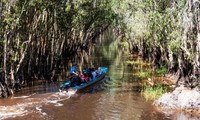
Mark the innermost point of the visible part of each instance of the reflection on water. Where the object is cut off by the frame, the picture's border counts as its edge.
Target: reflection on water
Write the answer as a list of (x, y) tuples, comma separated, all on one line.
[(114, 99)]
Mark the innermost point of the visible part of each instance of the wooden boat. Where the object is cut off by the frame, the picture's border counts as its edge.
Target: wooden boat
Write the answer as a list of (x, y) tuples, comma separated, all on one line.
[(77, 88)]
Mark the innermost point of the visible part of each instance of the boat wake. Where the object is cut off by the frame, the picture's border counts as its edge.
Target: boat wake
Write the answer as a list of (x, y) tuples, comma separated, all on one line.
[(12, 111), (23, 96), (68, 92), (71, 92), (32, 104)]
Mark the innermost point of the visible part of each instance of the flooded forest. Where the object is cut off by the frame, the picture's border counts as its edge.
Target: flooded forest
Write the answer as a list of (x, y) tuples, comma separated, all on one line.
[(150, 47)]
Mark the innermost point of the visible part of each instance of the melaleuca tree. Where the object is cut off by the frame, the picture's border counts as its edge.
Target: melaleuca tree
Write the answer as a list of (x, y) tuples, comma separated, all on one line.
[(165, 32), (38, 36)]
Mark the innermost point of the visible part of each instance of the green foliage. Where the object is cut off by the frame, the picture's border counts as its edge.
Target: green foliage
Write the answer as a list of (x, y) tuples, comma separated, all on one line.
[(161, 71), (144, 74), (174, 46), (164, 25), (37, 33), (153, 93), (137, 63)]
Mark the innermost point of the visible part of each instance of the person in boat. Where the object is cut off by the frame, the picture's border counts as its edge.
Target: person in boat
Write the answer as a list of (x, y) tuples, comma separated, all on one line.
[(88, 72), (86, 76), (94, 74), (75, 80), (74, 77), (73, 70), (99, 71), (83, 76)]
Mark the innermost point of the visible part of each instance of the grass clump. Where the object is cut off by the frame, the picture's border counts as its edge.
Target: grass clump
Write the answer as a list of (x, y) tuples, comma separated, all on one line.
[(153, 93), (161, 71), (144, 74), (142, 63)]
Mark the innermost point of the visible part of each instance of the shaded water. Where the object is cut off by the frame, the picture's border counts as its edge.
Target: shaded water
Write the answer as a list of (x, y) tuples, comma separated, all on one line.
[(118, 100)]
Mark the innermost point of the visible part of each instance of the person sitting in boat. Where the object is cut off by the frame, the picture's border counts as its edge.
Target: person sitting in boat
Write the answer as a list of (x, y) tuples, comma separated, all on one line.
[(83, 76), (99, 71), (89, 73), (75, 79), (94, 74), (86, 76), (73, 70)]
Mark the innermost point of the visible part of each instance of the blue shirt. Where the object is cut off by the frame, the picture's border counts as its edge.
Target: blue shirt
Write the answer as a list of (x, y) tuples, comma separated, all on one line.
[(94, 75), (73, 69)]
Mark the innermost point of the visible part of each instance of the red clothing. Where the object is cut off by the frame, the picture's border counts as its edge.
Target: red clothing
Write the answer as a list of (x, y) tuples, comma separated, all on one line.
[(81, 75), (84, 77)]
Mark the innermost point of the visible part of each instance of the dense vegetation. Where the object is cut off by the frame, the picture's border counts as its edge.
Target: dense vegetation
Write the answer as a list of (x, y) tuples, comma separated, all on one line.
[(37, 37), (166, 32)]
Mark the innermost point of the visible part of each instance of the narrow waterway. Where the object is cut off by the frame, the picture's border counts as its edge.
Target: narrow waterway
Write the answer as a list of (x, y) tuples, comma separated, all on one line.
[(114, 99)]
